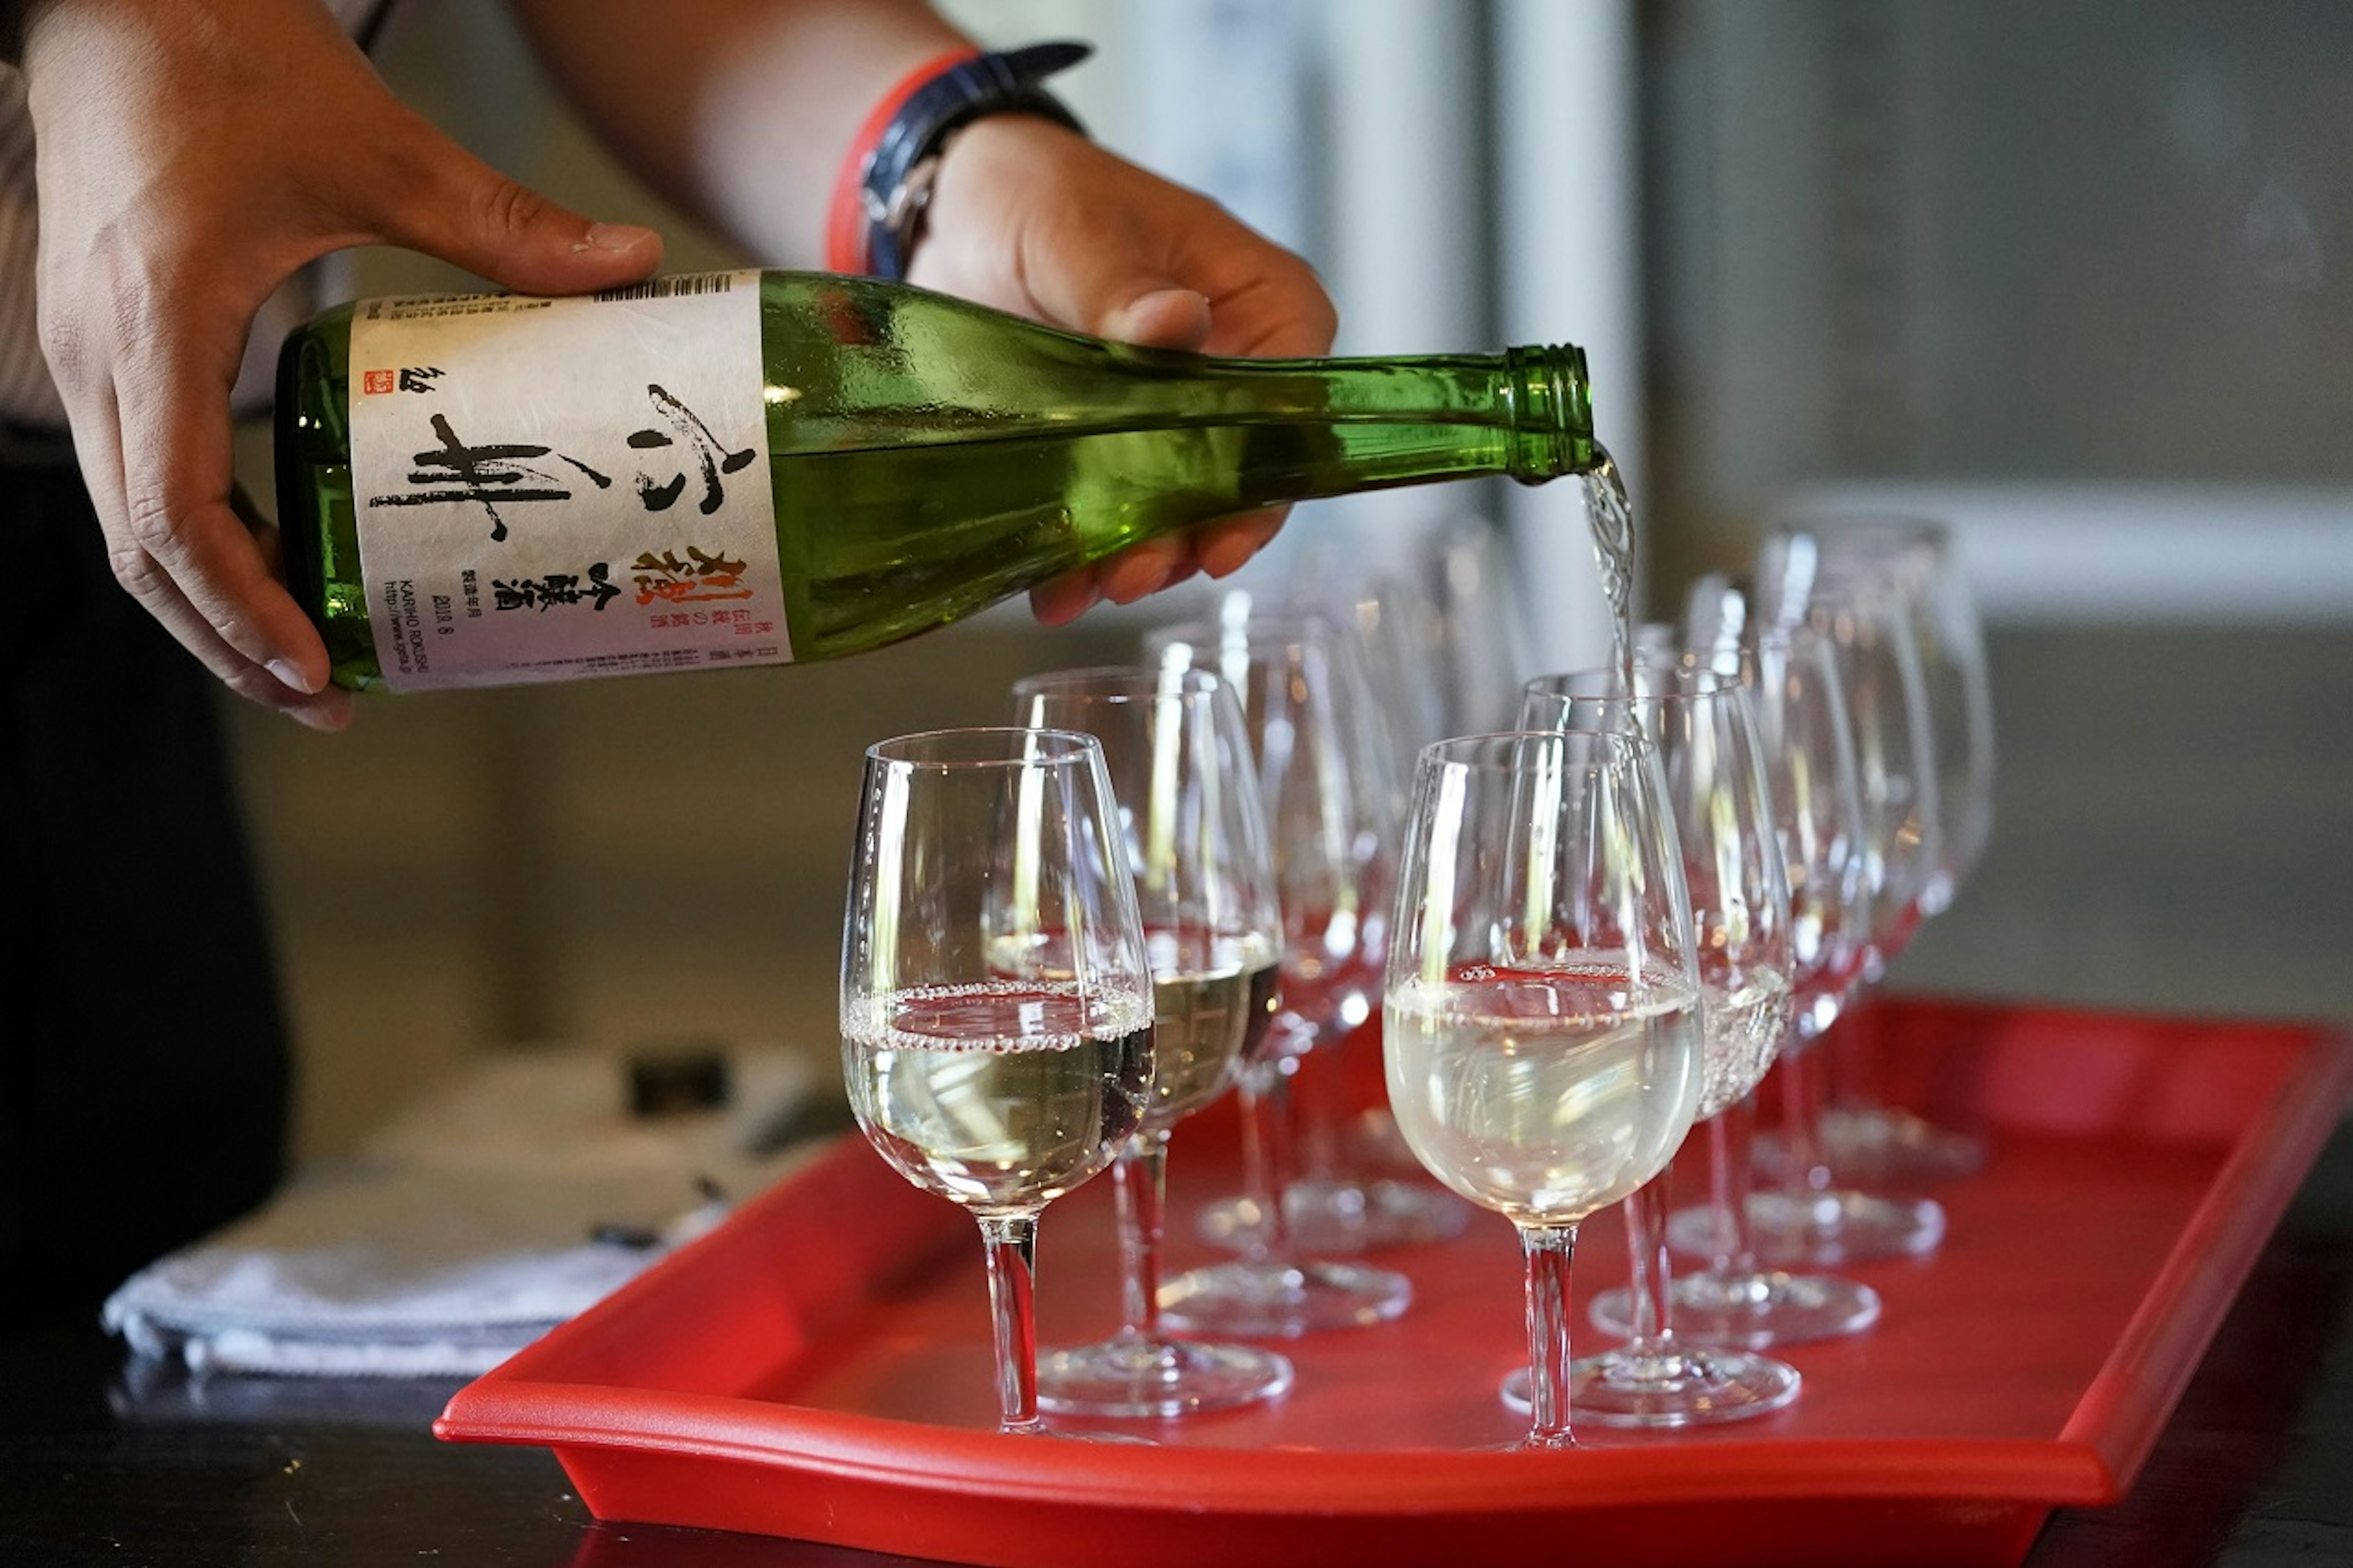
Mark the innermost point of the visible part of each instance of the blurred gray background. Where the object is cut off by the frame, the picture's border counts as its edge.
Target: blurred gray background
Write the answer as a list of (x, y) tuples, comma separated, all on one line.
[(2078, 280)]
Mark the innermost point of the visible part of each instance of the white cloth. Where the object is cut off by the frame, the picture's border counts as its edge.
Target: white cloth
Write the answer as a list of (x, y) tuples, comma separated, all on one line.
[(465, 1229)]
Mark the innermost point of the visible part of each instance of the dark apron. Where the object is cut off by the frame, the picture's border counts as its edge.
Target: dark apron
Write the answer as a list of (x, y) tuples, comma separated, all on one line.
[(143, 1054)]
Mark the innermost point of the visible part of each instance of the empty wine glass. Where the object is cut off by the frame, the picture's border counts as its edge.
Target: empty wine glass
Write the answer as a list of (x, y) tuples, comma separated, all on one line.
[(1394, 623), (1446, 641), (1480, 644), (996, 996), (1864, 621), (1924, 561), (1187, 795), (1919, 562), (1330, 806), (1817, 818), (1446, 648), (1542, 1034), (1703, 730), (1333, 1206)]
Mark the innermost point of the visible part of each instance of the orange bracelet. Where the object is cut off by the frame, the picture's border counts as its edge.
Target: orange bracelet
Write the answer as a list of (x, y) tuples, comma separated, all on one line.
[(884, 185), (846, 219)]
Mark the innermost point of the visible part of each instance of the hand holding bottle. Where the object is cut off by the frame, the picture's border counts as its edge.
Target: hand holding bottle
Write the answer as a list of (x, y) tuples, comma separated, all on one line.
[(181, 183), (192, 157), (1031, 218)]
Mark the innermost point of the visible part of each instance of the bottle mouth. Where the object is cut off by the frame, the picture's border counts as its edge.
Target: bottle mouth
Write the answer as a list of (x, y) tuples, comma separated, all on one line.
[(1552, 413)]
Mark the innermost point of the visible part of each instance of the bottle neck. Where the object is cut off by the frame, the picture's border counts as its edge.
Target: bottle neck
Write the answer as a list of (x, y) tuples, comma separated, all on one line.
[(1527, 412), (1552, 408)]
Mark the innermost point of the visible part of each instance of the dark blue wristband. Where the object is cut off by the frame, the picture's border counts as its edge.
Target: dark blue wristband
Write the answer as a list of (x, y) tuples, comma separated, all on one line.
[(895, 186)]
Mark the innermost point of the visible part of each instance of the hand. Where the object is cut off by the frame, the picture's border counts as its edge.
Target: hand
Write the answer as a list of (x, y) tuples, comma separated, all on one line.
[(1029, 217), (192, 157)]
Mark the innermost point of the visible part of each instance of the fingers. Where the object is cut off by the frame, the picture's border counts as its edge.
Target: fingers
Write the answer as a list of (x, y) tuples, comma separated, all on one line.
[(1107, 273), (1117, 292), (1282, 314), (174, 539), (1059, 601), (181, 179), (1220, 548), (275, 685), (1143, 568), (1026, 216), (194, 564), (1162, 316), (1224, 546), (450, 204), (1265, 302)]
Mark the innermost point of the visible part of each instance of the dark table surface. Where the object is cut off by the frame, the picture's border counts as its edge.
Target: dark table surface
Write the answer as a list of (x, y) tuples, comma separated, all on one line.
[(102, 1462)]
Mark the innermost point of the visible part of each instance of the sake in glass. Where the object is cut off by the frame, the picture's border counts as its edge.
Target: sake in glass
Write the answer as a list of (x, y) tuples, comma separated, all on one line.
[(1543, 1041), (997, 1000)]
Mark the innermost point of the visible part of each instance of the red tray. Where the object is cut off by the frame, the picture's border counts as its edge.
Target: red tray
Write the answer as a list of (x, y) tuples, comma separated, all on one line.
[(818, 1368)]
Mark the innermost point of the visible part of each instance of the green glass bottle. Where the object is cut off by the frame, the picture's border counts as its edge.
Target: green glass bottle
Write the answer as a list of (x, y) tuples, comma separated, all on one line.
[(734, 468)]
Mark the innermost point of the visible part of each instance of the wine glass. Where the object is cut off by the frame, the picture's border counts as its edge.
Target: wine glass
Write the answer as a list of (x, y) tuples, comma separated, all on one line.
[(1333, 981), (1919, 562), (1186, 796), (1864, 621), (1446, 648), (1817, 819), (1703, 727), (1479, 643), (1395, 624), (996, 996), (1923, 559), (1541, 1036), (1446, 642), (1330, 809)]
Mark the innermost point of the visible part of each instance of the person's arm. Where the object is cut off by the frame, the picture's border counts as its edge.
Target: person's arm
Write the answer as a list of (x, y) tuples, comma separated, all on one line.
[(190, 157), (743, 111), (735, 112)]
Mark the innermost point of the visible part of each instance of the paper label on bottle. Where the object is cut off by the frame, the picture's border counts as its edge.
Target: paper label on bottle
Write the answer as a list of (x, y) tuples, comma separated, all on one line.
[(550, 489)]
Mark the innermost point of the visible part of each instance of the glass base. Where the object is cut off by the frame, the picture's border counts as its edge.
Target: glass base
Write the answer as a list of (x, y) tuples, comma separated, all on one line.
[(1884, 1146), (1831, 1228), (1887, 1144), (1041, 1430), (1279, 1302), (1685, 1387), (1341, 1219), (1134, 1377), (1753, 1311)]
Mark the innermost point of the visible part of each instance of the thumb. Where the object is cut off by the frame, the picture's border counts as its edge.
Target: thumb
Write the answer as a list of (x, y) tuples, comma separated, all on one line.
[(467, 214), (1104, 289), (1165, 316)]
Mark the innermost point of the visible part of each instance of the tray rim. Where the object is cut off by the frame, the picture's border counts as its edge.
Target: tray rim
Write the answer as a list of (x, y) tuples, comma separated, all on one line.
[(2092, 1461), (2133, 1395)]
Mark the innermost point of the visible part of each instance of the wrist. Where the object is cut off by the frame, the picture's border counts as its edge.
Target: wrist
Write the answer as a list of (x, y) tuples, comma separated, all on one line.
[(883, 188)]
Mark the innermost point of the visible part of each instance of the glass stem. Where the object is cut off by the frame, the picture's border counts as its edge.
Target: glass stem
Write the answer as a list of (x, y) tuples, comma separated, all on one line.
[(1012, 1245), (1858, 1085), (1809, 1173), (1266, 1155), (1732, 1137), (1646, 1248), (1315, 1092), (1549, 1249), (1141, 1179)]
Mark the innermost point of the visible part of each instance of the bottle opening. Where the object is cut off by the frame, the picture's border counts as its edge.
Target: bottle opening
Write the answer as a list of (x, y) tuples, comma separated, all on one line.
[(1552, 413)]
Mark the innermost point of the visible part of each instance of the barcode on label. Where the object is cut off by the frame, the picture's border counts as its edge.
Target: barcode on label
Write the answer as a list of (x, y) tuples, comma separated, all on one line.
[(674, 287)]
